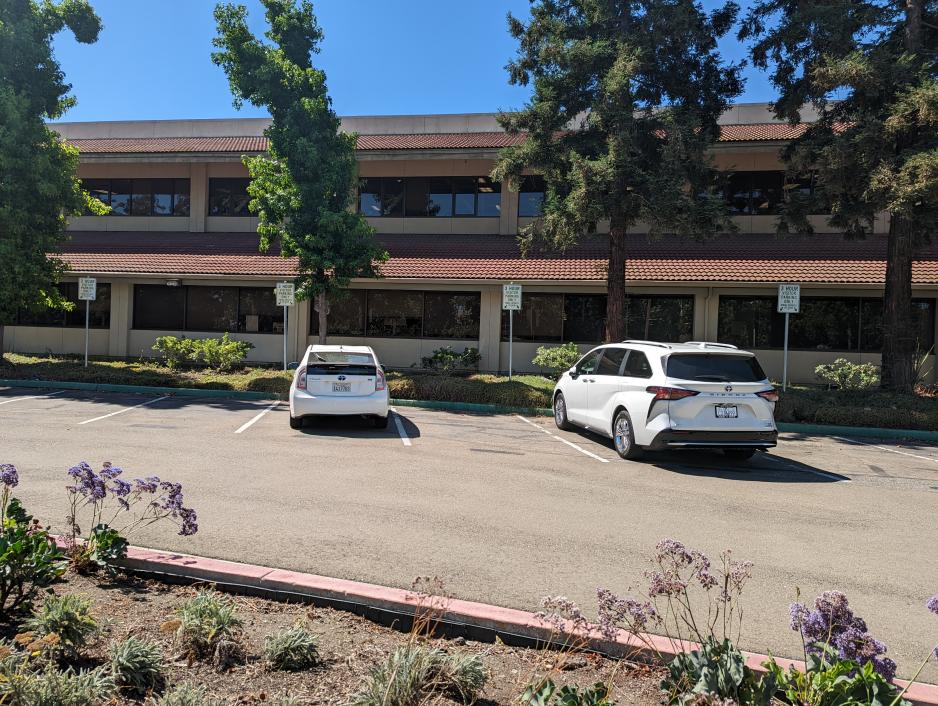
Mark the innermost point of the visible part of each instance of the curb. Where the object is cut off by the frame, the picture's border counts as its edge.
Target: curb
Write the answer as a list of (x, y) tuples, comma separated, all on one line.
[(482, 621), (141, 389), (863, 432), (473, 407)]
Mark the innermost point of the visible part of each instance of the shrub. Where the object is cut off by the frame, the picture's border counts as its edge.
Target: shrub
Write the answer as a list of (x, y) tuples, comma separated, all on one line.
[(292, 650), (29, 556), (446, 360), (175, 350), (222, 354), (51, 687), (848, 376), (557, 359), (137, 665), (186, 695), (206, 620), (546, 693), (67, 616), (716, 669)]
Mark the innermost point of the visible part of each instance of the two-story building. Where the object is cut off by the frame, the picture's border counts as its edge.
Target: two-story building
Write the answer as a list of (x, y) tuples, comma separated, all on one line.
[(178, 254)]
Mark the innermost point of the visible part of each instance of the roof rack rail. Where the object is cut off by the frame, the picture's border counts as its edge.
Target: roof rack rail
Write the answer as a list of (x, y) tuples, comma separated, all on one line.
[(647, 343), (710, 344)]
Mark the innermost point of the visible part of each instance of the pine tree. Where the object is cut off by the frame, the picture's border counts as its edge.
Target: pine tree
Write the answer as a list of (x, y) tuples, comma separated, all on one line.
[(626, 98)]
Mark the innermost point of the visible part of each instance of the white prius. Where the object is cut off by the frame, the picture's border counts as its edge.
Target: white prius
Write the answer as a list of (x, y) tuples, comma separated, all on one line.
[(339, 380)]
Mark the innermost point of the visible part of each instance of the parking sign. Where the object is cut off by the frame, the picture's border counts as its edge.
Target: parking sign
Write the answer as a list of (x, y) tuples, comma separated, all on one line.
[(87, 289), (286, 294), (789, 298), (511, 297)]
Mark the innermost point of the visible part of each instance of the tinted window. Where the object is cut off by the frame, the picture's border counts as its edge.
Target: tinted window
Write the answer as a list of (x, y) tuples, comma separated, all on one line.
[(611, 361), (531, 196), (99, 189), (637, 365), (451, 315), (539, 319), (584, 317), (99, 310), (489, 199), (258, 311), (369, 197), (707, 367), (346, 315), (212, 309), (120, 197), (141, 198), (464, 190), (417, 195), (588, 365), (162, 197), (393, 314), (157, 306), (228, 197), (180, 197), (659, 318), (440, 199)]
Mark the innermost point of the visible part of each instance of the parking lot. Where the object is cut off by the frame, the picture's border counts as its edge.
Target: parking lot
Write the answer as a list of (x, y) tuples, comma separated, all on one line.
[(506, 508)]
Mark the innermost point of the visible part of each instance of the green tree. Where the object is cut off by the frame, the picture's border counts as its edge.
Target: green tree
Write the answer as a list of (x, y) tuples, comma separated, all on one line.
[(39, 188), (303, 190), (626, 97), (870, 68)]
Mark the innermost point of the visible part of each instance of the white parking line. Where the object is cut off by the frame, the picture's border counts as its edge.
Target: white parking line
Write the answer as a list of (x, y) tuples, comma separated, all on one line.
[(31, 397), (800, 469), (247, 424), (568, 443), (126, 409), (885, 448), (400, 428)]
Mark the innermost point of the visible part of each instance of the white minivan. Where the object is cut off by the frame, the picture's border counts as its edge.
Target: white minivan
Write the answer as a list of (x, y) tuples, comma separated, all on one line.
[(648, 396)]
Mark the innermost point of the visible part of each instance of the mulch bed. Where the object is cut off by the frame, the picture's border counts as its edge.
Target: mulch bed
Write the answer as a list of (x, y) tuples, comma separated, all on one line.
[(349, 646)]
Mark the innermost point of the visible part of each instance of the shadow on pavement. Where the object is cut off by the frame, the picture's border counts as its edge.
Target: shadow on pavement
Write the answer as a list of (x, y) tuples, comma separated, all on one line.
[(357, 427)]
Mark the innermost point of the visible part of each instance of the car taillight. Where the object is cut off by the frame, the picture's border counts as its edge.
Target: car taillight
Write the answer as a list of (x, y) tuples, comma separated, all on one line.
[(380, 383), (301, 379), (670, 393), (770, 395)]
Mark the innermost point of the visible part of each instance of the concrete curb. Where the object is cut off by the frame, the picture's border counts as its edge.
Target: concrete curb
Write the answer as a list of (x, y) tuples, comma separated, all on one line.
[(476, 408), (482, 621), (142, 389), (862, 432)]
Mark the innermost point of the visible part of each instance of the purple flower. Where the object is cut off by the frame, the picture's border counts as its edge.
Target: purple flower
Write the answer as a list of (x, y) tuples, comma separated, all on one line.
[(172, 499), (8, 475), (798, 613), (121, 488), (110, 472), (558, 610), (615, 612), (190, 524), (147, 485), (932, 604)]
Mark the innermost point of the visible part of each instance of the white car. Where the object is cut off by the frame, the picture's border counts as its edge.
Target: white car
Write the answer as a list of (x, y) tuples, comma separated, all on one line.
[(339, 380), (648, 395)]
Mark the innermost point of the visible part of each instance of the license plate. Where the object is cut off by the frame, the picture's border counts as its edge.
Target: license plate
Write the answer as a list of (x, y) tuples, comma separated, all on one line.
[(726, 411), (341, 387)]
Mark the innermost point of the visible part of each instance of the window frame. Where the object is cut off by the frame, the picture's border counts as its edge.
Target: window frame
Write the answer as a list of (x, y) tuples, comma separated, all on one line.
[(176, 191), (185, 310), (411, 182), (216, 181)]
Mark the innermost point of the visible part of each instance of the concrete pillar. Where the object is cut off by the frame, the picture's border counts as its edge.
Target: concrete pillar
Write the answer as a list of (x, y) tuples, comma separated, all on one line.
[(121, 317), (711, 310), (490, 328), (198, 197), (508, 216)]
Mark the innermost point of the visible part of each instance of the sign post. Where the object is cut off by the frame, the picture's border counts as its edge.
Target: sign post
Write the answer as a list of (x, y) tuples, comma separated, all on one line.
[(789, 302), (511, 302), (87, 292), (286, 297)]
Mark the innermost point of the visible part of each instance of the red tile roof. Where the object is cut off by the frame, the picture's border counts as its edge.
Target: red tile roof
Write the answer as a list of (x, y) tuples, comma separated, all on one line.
[(729, 258), (758, 132)]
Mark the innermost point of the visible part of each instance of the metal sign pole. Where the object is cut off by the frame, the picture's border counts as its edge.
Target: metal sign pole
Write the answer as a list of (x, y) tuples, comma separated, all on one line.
[(87, 321), (511, 337), (785, 362), (286, 317)]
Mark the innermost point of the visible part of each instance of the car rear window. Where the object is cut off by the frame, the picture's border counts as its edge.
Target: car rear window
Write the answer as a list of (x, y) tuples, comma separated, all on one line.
[(707, 367), (331, 362)]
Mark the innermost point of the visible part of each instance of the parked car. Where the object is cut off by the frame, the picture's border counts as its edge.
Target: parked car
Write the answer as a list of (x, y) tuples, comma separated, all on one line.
[(649, 396), (339, 380)]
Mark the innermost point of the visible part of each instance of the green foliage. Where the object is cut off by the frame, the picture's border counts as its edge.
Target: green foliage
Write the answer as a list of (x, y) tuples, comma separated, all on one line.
[(52, 687), (836, 683), (557, 359), (108, 548), (223, 354), (445, 360), (67, 616), (206, 620), (29, 557), (303, 191), (847, 375), (716, 669), (35, 205), (411, 673), (137, 666), (522, 391), (546, 693), (186, 695), (292, 650), (175, 350)]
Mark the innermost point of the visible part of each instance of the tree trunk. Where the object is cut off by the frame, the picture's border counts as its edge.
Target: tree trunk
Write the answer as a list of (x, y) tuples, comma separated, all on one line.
[(615, 282), (322, 308), (898, 334), (913, 25)]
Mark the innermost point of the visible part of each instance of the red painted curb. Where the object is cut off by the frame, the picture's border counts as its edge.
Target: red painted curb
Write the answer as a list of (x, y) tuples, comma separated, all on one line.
[(506, 620)]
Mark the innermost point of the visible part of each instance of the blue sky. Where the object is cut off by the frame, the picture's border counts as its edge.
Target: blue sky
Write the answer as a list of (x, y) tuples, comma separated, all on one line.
[(381, 57)]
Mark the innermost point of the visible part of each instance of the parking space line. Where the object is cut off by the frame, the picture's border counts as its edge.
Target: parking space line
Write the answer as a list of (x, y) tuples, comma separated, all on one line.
[(247, 424), (562, 440), (126, 409), (400, 428), (885, 448), (31, 397)]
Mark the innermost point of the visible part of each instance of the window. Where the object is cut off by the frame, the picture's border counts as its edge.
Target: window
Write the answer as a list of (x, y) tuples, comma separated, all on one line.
[(637, 365), (228, 197), (539, 319), (451, 314), (141, 197), (99, 311), (584, 317), (531, 196), (659, 318), (759, 193), (346, 315), (193, 308), (434, 197), (394, 314), (588, 365), (488, 198), (611, 361), (440, 198), (709, 367), (381, 196)]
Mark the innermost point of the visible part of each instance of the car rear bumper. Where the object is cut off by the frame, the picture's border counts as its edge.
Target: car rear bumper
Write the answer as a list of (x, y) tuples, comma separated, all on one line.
[(303, 404), (671, 438)]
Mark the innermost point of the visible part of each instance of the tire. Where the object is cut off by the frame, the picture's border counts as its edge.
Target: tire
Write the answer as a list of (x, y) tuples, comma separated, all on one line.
[(381, 422), (623, 438), (296, 422), (739, 454), (560, 413)]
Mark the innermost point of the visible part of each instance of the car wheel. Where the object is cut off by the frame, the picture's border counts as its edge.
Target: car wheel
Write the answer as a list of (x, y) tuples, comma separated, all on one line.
[(381, 422), (623, 437), (296, 422), (560, 413), (739, 454)]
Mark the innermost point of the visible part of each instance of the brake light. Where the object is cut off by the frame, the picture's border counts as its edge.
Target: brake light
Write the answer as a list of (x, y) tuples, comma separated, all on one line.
[(670, 393), (380, 383), (770, 395), (301, 379)]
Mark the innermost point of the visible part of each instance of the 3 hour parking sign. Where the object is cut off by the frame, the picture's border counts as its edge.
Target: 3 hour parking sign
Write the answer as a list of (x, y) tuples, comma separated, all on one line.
[(511, 297), (789, 298)]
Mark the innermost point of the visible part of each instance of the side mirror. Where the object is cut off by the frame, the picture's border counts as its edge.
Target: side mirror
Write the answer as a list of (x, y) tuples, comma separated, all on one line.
[(573, 373), (293, 366)]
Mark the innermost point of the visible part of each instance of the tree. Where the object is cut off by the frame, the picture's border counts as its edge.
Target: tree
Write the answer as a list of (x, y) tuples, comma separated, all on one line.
[(39, 188), (874, 148), (626, 97), (303, 190)]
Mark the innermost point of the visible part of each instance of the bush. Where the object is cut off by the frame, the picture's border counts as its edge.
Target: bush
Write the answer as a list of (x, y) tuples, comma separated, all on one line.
[(557, 359), (866, 408), (175, 351), (137, 666), (716, 669), (292, 650), (546, 693), (848, 376), (523, 391), (835, 682), (67, 616), (222, 354), (52, 687), (205, 621), (187, 695), (446, 360)]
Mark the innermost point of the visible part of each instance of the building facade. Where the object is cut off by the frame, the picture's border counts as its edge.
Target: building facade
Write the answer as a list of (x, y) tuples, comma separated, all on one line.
[(178, 254)]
